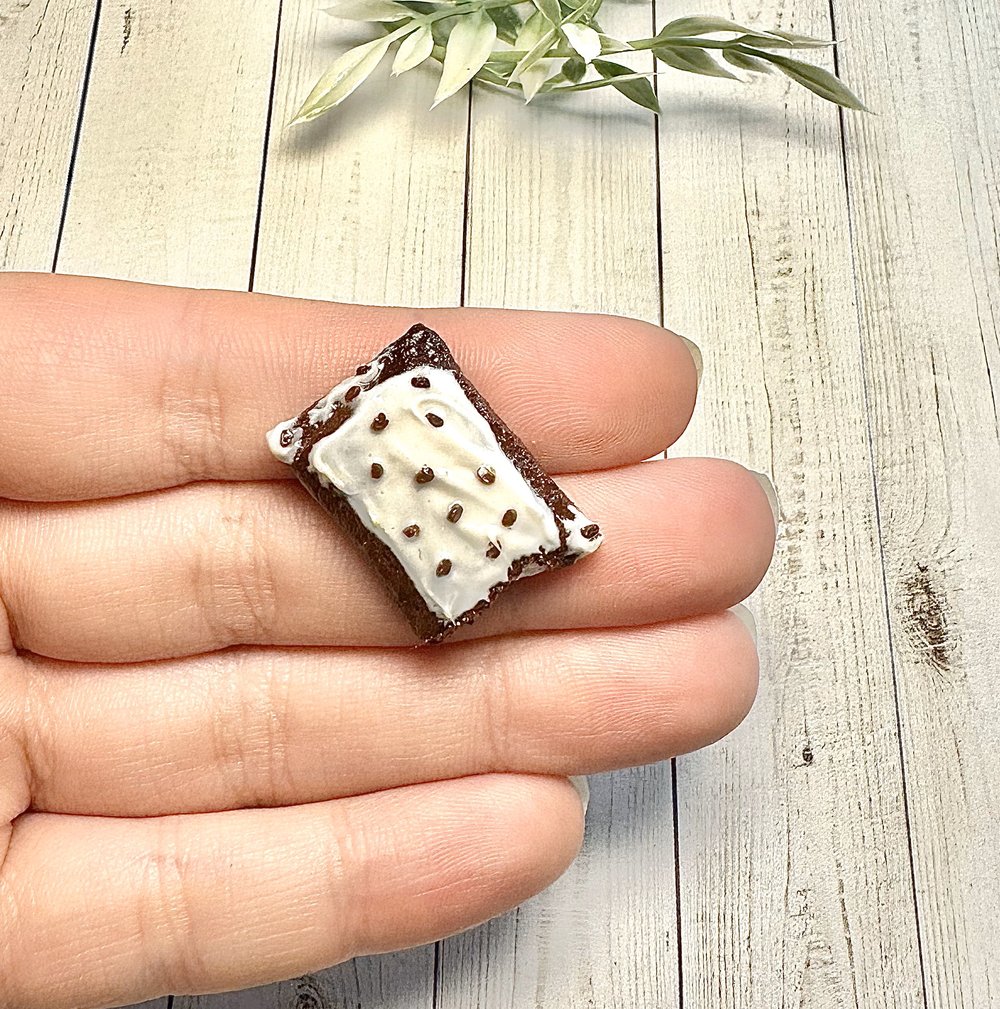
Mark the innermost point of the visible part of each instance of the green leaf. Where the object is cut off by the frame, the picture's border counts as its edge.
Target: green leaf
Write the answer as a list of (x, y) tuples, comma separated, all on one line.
[(584, 40), (684, 42), (821, 82), (744, 62), (801, 41), (583, 13), (685, 28), (638, 90), (469, 46), (532, 32), (782, 42), (551, 10), (441, 29), (346, 74), (604, 82), (694, 61), (368, 10), (487, 75), (535, 53), (413, 50), (700, 26), (535, 34), (507, 20), (610, 45), (574, 69)]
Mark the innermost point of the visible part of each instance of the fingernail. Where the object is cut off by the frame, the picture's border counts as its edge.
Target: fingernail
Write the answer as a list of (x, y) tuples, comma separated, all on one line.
[(772, 495), (695, 351), (745, 617), (579, 782)]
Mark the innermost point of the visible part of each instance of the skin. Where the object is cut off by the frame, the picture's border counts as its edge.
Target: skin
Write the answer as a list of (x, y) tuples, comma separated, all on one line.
[(218, 766)]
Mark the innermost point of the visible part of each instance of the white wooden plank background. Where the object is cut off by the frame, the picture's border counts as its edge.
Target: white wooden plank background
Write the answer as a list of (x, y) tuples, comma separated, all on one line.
[(168, 165), (43, 67), (925, 212), (809, 900), (366, 206), (842, 276)]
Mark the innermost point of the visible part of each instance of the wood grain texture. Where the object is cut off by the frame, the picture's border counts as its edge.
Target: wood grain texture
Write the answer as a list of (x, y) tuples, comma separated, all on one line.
[(168, 167), (562, 200), (562, 197), (365, 204), (43, 57), (924, 213), (603, 935), (394, 981), (794, 869)]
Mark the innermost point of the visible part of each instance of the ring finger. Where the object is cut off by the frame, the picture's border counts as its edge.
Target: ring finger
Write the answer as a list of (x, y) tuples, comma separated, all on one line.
[(269, 727)]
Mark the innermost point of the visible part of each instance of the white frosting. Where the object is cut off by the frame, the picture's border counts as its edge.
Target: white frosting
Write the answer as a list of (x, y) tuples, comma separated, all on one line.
[(575, 540), (455, 450), (320, 412)]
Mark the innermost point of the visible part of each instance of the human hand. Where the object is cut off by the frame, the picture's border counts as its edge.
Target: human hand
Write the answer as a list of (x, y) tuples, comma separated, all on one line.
[(215, 767)]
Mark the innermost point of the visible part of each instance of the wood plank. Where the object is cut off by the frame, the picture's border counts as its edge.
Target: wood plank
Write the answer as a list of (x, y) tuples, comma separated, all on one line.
[(167, 173), (562, 204), (925, 206), (604, 934), (365, 204), (794, 869), (563, 216), (45, 48), (402, 980)]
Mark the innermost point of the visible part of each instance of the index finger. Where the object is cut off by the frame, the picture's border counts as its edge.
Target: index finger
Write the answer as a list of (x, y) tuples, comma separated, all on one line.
[(115, 387)]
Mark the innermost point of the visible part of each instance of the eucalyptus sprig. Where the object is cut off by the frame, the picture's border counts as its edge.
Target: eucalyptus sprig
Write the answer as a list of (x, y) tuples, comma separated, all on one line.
[(533, 47)]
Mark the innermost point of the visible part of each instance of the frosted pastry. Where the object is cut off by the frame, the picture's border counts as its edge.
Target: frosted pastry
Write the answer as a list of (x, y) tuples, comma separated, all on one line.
[(438, 493)]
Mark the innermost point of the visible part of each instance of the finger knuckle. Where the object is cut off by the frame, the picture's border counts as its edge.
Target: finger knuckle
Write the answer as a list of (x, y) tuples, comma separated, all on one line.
[(498, 711), (166, 926), (233, 581), (27, 733), (190, 405), (250, 731), (350, 866)]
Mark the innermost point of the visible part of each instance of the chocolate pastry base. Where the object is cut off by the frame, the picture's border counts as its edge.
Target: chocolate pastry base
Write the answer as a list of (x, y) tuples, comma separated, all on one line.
[(421, 348)]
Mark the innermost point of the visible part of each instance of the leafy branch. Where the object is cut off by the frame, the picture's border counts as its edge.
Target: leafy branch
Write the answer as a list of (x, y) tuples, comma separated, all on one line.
[(533, 47)]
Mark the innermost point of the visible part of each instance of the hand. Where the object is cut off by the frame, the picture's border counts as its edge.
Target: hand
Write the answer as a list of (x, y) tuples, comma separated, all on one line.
[(190, 800)]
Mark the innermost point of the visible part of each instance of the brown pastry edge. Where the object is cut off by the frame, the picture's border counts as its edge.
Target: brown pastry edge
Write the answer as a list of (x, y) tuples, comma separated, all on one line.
[(420, 346)]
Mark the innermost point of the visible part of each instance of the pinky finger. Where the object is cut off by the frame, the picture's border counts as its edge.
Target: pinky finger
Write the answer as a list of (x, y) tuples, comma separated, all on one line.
[(109, 911)]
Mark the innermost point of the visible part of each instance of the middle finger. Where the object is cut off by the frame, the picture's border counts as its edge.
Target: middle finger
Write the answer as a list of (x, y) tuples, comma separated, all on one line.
[(212, 565), (271, 727)]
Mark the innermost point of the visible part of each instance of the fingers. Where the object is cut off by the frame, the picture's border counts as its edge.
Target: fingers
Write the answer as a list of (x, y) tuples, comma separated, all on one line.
[(211, 565), (114, 387), (105, 912), (276, 727)]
